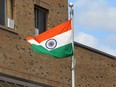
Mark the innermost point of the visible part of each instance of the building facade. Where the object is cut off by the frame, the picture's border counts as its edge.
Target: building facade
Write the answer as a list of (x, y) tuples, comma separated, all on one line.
[(94, 68), (21, 67), (29, 18)]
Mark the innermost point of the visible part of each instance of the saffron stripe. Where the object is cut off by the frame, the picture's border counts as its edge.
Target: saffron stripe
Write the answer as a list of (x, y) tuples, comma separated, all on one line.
[(54, 31)]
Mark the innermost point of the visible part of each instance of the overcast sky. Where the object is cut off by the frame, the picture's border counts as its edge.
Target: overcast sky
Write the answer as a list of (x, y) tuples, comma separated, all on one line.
[(95, 24)]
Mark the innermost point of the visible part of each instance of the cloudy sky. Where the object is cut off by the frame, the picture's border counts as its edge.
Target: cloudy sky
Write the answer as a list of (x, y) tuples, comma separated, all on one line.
[(95, 24)]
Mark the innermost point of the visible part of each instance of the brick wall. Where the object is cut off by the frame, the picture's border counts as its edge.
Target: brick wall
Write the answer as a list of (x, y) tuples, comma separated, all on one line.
[(94, 68), (16, 55), (17, 58)]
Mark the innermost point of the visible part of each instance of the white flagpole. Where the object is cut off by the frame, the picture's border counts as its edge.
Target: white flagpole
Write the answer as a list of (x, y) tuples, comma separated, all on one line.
[(72, 57)]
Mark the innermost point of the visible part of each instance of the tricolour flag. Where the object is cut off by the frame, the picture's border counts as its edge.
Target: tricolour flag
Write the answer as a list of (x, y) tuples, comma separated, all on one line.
[(56, 42)]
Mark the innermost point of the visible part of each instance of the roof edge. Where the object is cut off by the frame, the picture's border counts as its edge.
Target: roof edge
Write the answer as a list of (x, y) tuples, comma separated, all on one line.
[(95, 50)]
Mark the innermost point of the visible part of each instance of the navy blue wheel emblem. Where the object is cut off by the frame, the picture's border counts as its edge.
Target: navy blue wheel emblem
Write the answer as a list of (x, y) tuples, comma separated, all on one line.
[(51, 43)]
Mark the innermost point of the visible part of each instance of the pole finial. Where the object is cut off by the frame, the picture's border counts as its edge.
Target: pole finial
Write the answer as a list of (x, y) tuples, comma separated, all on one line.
[(71, 5)]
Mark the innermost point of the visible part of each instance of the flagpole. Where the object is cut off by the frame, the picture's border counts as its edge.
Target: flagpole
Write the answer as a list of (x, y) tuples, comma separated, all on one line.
[(72, 57)]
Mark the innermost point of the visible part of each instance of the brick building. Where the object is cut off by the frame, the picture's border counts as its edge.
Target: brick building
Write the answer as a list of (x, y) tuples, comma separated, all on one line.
[(21, 67)]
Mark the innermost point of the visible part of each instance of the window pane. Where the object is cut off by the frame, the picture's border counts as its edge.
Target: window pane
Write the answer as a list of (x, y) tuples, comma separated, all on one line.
[(10, 9), (38, 18), (35, 17), (42, 21), (2, 12)]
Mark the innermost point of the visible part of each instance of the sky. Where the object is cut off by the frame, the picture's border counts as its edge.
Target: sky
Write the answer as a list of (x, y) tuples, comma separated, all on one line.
[(95, 24)]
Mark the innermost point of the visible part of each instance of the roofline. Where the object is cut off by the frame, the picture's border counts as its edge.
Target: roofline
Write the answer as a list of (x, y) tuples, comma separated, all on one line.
[(95, 50)]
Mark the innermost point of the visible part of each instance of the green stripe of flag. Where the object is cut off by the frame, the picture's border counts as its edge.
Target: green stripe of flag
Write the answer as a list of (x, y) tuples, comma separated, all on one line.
[(61, 52)]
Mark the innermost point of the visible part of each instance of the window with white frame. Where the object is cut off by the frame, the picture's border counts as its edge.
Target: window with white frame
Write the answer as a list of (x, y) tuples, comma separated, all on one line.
[(40, 15), (6, 13)]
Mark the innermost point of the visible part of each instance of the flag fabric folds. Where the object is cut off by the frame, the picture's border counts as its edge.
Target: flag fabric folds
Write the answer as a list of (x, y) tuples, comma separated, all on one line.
[(56, 42)]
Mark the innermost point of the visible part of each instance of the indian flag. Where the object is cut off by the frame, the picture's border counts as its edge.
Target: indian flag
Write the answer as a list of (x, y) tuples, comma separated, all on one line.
[(56, 42)]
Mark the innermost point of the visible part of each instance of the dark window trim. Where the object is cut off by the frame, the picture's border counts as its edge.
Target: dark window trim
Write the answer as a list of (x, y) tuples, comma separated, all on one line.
[(42, 8), (2, 12), (12, 78), (12, 9)]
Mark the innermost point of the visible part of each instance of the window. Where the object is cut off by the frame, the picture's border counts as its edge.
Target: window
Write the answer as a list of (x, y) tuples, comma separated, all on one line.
[(2, 12), (9, 81), (40, 19), (6, 13)]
